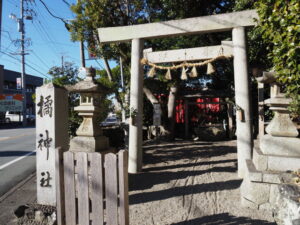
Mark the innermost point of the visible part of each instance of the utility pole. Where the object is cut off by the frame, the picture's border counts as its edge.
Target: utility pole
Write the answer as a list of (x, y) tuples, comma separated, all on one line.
[(82, 57), (21, 29), (0, 21), (81, 48), (123, 89), (62, 64), (23, 75)]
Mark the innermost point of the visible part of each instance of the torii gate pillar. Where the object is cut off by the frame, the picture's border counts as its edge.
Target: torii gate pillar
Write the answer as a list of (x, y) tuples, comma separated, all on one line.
[(136, 107), (242, 99)]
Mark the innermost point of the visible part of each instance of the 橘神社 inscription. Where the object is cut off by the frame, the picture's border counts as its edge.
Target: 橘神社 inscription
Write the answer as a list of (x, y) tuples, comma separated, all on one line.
[(51, 132)]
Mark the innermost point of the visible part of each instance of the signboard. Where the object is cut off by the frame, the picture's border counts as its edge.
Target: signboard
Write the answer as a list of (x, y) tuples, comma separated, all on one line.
[(19, 83), (157, 115), (13, 102)]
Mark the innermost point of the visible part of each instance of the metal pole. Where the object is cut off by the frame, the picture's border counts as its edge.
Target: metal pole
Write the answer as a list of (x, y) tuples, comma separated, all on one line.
[(123, 89), (23, 62), (62, 64), (82, 57), (0, 21), (81, 48)]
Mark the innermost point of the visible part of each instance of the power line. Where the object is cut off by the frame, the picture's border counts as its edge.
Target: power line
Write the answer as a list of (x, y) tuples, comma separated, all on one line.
[(8, 34), (42, 61), (45, 37), (7, 48), (14, 4), (67, 3), (43, 31), (41, 73), (57, 17)]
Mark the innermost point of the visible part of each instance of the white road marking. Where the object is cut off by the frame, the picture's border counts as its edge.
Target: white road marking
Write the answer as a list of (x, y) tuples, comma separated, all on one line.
[(14, 137), (16, 160), (3, 138)]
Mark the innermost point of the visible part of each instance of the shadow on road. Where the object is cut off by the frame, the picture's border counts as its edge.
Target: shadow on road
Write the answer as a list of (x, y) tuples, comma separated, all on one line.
[(14, 153), (223, 219)]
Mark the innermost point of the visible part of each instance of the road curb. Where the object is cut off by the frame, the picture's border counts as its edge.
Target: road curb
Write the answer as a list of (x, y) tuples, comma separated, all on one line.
[(16, 187)]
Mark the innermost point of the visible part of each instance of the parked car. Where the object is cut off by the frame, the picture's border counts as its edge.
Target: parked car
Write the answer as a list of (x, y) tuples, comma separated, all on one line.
[(17, 117), (110, 121)]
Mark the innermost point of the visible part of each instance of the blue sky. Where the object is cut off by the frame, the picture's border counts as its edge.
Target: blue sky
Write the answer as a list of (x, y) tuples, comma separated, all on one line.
[(49, 38)]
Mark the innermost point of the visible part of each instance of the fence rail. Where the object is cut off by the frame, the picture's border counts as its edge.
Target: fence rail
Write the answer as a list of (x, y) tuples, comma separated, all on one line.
[(92, 188)]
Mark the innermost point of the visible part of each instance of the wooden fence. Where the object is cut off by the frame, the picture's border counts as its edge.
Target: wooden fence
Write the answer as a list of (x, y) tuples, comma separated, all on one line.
[(92, 189)]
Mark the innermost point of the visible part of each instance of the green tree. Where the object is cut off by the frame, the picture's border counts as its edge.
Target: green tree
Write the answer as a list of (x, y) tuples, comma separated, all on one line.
[(279, 24), (274, 43), (93, 14), (67, 74)]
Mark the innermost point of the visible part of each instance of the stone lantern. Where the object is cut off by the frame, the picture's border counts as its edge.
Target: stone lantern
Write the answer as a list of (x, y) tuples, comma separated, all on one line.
[(278, 152), (89, 134), (281, 131)]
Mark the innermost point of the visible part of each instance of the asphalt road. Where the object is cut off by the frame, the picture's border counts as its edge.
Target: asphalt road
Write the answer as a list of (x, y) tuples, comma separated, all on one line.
[(17, 156)]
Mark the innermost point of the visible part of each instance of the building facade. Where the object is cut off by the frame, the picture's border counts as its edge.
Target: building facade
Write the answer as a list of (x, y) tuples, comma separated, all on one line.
[(8, 85)]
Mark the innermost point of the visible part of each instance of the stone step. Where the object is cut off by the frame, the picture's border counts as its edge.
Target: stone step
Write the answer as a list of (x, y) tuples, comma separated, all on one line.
[(255, 175), (263, 162)]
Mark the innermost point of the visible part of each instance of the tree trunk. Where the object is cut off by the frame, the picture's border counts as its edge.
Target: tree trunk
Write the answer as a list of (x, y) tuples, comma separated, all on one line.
[(107, 68), (171, 110)]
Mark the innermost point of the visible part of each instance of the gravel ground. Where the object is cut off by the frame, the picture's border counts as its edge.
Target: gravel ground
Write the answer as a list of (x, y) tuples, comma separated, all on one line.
[(190, 182)]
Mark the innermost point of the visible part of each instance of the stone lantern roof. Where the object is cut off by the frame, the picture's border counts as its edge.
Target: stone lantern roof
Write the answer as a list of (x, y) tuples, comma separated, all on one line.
[(88, 85)]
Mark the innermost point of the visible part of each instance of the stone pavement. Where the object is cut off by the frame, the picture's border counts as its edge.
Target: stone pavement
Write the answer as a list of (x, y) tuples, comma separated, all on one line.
[(183, 183), (21, 194)]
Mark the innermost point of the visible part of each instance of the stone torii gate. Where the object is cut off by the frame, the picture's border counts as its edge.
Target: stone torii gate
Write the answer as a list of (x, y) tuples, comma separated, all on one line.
[(235, 22)]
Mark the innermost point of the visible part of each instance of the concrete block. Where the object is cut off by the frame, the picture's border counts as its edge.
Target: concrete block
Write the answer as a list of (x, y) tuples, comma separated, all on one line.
[(260, 161), (283, 163), (252, 173), (274, 193), (248, 204), (283, 146), (266, 206), (255, 192), (271, 177)]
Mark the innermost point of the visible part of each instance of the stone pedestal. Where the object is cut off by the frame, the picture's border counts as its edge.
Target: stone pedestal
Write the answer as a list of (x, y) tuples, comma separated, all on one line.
[(277, 153)]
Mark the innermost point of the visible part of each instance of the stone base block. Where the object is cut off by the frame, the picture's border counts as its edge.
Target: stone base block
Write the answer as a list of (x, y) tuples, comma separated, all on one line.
[(259, 159), (272, 177), (281, 146), (254, 194), (273, 162), (89, 144), (258, 189)]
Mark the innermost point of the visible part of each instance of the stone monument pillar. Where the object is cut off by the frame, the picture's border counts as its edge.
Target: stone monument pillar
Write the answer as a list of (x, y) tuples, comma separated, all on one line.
[(51, 132), (89, 134), (277, 152)]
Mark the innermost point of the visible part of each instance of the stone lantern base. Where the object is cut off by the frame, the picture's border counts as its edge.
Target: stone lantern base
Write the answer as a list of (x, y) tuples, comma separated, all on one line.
[(89, 144)]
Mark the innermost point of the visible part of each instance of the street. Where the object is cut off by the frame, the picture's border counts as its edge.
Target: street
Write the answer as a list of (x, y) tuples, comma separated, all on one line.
[(17, 156)]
